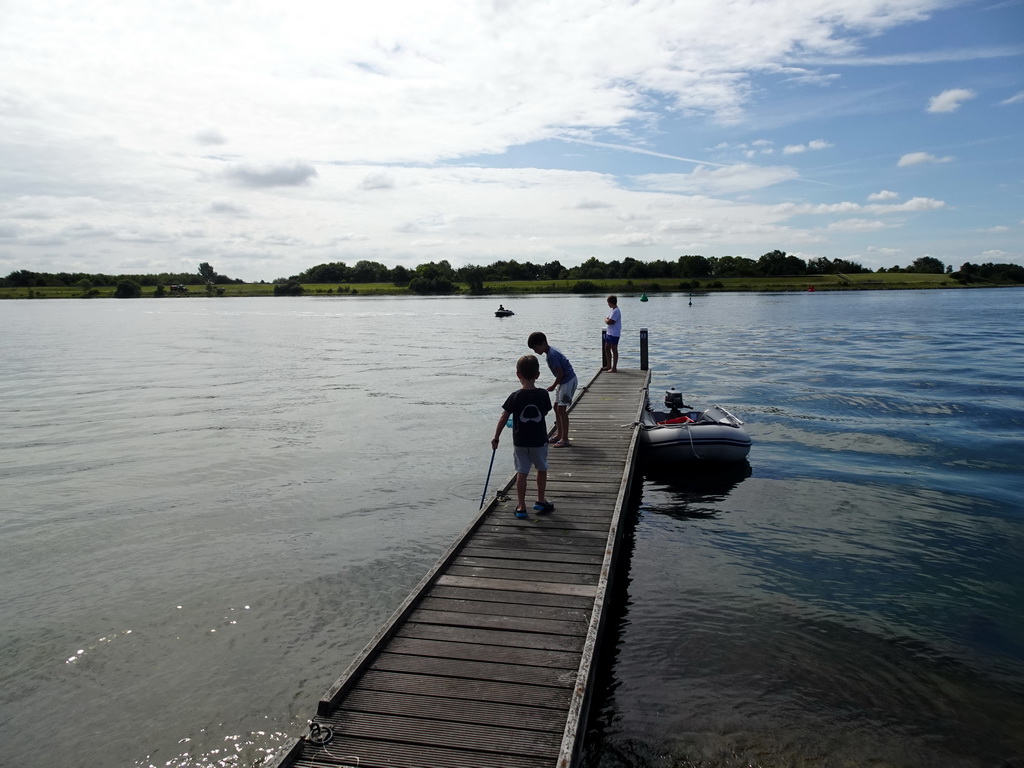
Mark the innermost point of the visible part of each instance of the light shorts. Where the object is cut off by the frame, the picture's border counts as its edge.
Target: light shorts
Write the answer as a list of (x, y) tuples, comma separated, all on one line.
[(564, 393), (525, 457), (613, 341)]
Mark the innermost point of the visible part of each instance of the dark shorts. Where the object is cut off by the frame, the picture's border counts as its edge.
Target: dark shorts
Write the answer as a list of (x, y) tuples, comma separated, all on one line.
[(613, 340)]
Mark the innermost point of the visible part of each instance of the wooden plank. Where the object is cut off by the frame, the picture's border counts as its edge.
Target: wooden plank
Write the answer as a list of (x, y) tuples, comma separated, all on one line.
[(531, 554), (573, 643), (527, 559), (542, 532), (452, 710), (497, 621), (548, 522), (502, 540), (351, 752), (520, 585), (531, 657), (493, 671), (512, 573), (504, 597), (527, 610), (469, 690), (585, 508), (526, 564), (503, 740)]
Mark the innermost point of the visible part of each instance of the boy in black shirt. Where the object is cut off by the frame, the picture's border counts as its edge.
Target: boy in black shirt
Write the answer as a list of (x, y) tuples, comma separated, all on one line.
[(528, 406)]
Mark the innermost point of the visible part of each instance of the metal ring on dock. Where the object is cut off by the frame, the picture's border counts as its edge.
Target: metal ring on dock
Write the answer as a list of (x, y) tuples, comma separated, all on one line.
[(320, 735)]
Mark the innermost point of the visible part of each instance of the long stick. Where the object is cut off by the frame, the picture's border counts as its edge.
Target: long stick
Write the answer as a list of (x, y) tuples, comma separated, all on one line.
[(489, 468)]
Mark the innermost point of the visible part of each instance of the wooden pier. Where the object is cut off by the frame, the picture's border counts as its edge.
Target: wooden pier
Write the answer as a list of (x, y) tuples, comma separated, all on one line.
[(490, 661)]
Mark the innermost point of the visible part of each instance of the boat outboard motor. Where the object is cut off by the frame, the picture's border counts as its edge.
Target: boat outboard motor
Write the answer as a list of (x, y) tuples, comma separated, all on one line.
[(674, 401)]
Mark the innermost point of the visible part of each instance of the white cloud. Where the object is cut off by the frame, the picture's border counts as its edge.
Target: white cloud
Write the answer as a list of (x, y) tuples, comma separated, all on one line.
[(377, 180), (590, 204), (915, 204), (808, 76), (290, 174), (633, 239), (86, 230), (1017, 97), (885, 194), (917, 158), (210, 136), (683, 225), (226, 207), (793, 149), (856, 225), (916, 58), (885, 251), (951, 100), (994, 230), (719, 181), (748, 150)]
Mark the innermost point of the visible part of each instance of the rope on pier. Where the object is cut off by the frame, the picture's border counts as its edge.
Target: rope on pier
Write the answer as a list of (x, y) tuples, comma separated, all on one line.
[(321, 735)]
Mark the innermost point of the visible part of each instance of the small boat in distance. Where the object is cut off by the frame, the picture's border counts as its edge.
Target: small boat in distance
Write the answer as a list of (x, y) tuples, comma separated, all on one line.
[(679, 435), (502, 312)]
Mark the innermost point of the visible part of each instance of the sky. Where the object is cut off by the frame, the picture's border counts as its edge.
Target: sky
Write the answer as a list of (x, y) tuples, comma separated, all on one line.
[(265, 137)]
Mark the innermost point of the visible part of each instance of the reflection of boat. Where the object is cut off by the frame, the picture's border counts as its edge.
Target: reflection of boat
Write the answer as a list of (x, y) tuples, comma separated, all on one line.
[(504, 312), (685, 435), (692, 490)]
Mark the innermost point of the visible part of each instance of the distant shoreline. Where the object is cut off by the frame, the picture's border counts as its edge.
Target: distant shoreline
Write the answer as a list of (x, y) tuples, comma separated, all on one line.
[(794, 284)]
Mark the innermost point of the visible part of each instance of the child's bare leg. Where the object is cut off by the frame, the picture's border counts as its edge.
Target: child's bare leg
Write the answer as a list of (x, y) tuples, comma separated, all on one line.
[(542, 484), (562, 420), (521, 489)]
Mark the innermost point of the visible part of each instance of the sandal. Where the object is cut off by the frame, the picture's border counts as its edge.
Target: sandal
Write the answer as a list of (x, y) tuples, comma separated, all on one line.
[(543, 507), (520, 513)]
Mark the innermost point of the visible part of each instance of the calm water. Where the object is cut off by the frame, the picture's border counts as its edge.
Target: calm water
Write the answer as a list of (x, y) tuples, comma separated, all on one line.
[(207, 506)]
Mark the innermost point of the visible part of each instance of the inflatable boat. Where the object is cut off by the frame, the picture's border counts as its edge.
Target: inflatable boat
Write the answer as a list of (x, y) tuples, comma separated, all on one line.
[(680, 434), (504, 313)]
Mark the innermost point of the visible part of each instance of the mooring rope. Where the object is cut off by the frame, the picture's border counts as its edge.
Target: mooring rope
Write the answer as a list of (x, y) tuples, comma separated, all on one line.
[(321, 735)]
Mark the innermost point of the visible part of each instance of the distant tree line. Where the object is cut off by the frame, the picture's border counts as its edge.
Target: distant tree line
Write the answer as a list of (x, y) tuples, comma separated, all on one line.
[(24, 278), (989, 273), (441, 278)]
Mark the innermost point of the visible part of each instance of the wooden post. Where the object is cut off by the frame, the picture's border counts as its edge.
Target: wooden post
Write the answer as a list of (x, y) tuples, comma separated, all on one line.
[(605, 357), (643, 349)]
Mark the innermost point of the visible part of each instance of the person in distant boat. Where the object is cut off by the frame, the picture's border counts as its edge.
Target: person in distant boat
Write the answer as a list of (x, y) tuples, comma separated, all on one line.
[(501, 307), (527, 406), (611, 345), (564, 385)]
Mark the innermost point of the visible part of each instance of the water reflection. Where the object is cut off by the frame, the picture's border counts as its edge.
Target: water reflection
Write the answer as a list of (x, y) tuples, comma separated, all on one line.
[(690, 491)]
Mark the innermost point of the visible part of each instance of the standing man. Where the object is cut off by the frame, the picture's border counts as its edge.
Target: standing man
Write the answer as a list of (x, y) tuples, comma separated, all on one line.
[(611, 344)]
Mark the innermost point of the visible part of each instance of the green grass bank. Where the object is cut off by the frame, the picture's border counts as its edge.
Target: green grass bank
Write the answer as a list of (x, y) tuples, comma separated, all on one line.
[(867, 281)]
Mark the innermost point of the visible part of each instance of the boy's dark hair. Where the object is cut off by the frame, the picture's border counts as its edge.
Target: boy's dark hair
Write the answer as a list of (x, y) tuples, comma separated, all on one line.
[(528, 367), (536, 338), (613, 300)]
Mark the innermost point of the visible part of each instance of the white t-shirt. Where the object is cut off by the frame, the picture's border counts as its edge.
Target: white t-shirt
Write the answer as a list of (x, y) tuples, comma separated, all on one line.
[(615, 328)]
